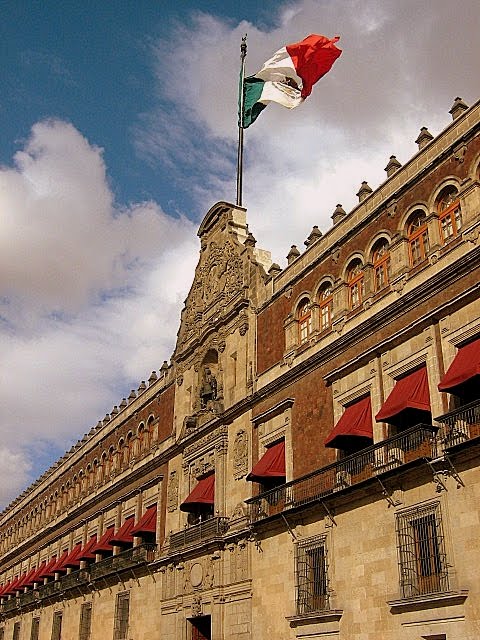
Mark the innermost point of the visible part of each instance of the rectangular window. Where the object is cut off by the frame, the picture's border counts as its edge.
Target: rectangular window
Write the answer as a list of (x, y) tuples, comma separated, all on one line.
[(311, 575), (2, 633), (421, 551), (85, 621), (57, 626), (16, 631), (122, 607), (35, 630)]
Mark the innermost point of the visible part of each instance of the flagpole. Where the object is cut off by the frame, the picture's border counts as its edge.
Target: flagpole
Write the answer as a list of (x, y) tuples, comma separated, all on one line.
[(243, 54)]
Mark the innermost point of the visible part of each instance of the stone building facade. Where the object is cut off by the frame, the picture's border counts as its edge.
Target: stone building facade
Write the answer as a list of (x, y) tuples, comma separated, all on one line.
[(306, 465)]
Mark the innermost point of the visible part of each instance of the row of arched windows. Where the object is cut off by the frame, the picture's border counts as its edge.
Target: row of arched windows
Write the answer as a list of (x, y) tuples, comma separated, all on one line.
[(416, 231), (65, 494)]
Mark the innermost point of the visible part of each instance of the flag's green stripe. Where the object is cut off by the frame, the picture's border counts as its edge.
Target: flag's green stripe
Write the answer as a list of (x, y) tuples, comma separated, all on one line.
[(253, 88)]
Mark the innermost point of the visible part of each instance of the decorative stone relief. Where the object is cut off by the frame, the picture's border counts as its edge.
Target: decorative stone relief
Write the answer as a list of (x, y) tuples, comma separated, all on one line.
[(196, 574), (172, 492), (196, 606), (472, 236), (335, 254), (240, 454)]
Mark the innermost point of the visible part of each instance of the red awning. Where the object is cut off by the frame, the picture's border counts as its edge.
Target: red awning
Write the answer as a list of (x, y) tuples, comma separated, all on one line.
[(271, 464), (203, 494), (35, 577), (410, 392), (465, 366), (72, 559), (12, 587), (26, 578), (58, 566), (103, 544), (355, 422), (87, 553), (45, 572), (124, 534), (147, 523)]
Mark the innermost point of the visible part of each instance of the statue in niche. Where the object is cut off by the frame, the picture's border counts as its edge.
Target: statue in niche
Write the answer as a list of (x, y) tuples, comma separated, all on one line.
[(208, 389)]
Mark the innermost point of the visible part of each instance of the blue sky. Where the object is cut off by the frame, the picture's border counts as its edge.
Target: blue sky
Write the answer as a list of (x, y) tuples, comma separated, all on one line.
[(91, 63), (118, 132)]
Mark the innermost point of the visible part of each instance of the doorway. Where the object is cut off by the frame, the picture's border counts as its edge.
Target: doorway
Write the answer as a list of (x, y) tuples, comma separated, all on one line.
[(201, 628)]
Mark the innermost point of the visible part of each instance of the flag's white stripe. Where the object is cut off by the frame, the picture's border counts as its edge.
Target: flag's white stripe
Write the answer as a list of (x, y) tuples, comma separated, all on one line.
[(279, 67), (280, 93)]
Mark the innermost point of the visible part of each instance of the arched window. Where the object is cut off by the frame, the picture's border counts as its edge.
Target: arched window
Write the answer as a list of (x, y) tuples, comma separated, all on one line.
[(418, 242), (325, 298), (381, 264), (356, 285), (304, 316), (450, 213)]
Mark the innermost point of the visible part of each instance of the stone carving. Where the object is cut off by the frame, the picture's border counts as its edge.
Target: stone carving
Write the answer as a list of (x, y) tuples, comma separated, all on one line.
[(196, 574), (208, 389), (218, 278), (221, 432), (240, 454), (196, 606), (172, 492)]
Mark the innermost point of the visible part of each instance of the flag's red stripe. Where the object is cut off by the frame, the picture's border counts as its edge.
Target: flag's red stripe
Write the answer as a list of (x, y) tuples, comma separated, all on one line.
[(313, 58)]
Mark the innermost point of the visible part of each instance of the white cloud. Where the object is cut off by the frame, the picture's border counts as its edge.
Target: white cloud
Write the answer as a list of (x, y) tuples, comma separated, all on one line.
[(401, 68), (91, 294)]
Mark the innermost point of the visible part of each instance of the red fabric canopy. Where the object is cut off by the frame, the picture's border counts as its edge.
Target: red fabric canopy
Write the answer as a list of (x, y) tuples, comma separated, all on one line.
[(58, 566), (26, 578), (86, 553), (104, 543), (271, 464), (124, 534), (12, 586), (410, 392), (43, 573), (355, 422), (465, 366), (203, 494), (72, 559), (36, 576), (147, 523)]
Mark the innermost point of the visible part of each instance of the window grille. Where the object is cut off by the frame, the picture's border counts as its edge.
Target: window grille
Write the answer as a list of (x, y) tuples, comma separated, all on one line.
[(16, 631), (85, 621), (35, 630), (311, 575), (122, 607), (421, 551), (57, 626)]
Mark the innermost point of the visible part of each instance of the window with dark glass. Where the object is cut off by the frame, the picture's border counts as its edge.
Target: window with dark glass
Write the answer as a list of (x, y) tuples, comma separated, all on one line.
[(325, 296), (304, 321), (421, 551), (35, 629), (311, 575), (85, 621), (57, 626), (450, 213), (122, 611), (356, 285), (381, 264), (418, 242)]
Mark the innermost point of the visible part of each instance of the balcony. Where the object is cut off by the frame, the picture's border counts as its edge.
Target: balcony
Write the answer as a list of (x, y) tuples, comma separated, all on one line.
[(416, 443), (75, 579), (49, 590), (10, 605), (129, 559), (460, 425), (202, 532)]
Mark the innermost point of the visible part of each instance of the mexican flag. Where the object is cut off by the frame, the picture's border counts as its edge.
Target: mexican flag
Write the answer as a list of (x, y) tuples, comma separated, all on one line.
[(288, 77)]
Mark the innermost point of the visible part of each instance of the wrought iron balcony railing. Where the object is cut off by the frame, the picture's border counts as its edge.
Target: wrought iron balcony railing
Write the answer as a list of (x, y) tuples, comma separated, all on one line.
[(202, 532), (460, 424), (48, 590), (412, 444), (129, 559), (10, 605), (75, 579)]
